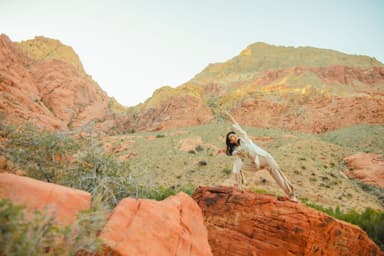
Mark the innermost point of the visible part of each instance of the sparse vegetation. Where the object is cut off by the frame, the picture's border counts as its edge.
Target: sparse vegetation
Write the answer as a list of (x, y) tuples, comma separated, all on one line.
[(199, 148), (227, 171), (40, 235), (366, 138)]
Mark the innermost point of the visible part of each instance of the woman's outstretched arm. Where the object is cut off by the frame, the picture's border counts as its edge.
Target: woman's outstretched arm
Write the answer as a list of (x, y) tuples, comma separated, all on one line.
[(236, 125)]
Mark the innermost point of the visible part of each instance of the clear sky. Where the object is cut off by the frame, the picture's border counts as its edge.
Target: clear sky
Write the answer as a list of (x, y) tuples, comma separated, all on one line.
[(133, 47)]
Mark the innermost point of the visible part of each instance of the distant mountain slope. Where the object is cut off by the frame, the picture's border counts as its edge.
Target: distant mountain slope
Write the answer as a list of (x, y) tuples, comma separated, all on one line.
[(260, 57), (303, 88)]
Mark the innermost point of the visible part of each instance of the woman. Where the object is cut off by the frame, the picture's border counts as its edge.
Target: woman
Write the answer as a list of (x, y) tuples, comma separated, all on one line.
[(249, 156)]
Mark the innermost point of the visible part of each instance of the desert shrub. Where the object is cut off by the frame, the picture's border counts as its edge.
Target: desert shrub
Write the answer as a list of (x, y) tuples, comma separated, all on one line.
[(82, 164), (199, 148), (39, 235), (202, 163), (42, 154), (370, 221), (161, 192), (373, 190), (102, 175), (227, 171)]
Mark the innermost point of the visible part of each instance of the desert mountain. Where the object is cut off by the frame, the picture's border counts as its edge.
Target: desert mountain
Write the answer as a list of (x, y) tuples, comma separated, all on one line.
[(43, 81), (304, 88)]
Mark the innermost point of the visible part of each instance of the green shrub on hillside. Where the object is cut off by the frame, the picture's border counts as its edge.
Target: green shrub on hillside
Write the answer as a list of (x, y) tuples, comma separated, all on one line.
[(43, 155), (160, 193), (39, 235), (82, 164)]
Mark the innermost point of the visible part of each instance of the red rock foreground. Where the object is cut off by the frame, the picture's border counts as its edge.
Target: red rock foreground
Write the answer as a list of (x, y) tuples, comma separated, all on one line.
[(49, 198), (245, 223), (368, 168), (173, 226)]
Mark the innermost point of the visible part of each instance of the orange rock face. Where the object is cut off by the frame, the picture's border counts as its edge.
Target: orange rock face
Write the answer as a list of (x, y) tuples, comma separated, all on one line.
[(176, 112), (245, 223), (368, 168), (173, 226), (48, 198), (49, 93)]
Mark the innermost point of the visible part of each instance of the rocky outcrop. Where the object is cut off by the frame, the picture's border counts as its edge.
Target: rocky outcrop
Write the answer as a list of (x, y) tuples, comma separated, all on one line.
[(48, 92), (169, 108), (173, 226), (42, 48), (368, 168), (63, 202), (245, 223)]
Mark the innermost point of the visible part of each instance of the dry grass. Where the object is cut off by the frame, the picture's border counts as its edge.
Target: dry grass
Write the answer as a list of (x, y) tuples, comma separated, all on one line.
[(312, 163)]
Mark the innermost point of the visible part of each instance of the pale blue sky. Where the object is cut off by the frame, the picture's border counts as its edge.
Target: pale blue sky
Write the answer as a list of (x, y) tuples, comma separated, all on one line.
[(132, 47)]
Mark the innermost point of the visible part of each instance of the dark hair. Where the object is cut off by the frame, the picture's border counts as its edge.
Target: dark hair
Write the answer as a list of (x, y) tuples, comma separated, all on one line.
[(230, 146)]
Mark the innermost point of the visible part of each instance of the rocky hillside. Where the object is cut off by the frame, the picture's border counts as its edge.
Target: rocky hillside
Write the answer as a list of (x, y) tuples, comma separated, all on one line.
[(191, 156), (43, 82), (302, 88)]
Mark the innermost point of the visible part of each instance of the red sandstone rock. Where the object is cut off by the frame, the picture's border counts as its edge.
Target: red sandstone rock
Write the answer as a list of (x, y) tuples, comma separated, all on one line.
[(245, 223), (50, 93), (49, 198), (368, 168), (173, 226), (180, 111)]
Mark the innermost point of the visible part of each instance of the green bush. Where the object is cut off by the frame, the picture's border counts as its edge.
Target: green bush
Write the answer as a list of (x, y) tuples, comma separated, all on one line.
[(42, 154), (82, 164), (160, 193), (199, 148), (39, 235)]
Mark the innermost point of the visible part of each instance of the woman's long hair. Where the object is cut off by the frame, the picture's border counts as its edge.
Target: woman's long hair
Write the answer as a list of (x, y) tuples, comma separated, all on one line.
[(230, 146)]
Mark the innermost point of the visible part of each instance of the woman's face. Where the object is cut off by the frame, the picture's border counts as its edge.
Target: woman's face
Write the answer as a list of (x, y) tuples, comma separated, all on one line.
[(234, 139)]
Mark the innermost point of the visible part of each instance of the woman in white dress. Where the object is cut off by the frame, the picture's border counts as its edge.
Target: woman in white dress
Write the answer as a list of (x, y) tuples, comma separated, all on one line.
[(250, 157)]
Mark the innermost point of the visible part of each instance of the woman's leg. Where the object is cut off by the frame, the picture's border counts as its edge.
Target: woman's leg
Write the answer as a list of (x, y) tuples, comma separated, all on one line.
[(283, 182)]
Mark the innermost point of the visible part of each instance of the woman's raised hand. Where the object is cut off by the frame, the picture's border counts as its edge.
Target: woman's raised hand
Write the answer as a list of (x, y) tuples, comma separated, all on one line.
[(230, 116)]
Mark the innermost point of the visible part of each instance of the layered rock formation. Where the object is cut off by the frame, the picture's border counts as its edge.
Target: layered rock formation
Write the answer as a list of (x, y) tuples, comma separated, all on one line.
[(46, 90), (62, 202), (368, 168), (173, 226), (245, 223)]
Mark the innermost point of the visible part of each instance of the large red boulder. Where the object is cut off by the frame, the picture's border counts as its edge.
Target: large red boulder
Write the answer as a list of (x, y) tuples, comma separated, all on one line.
[(48, 198), (368, 168), (174, 226), (245, 223)]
